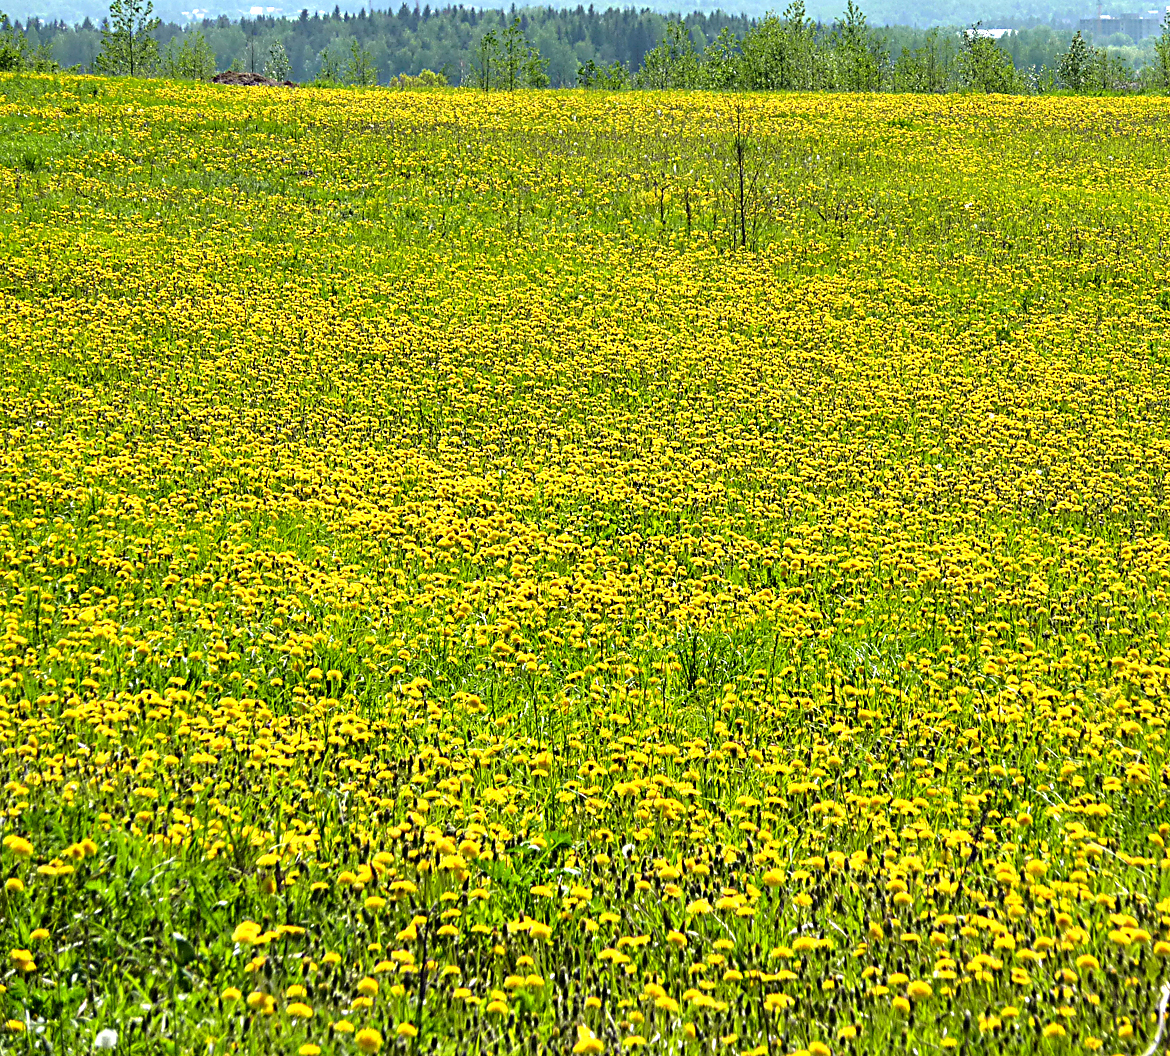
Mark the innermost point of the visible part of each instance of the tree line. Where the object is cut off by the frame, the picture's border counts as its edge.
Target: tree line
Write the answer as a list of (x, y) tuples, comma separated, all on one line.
[(613, 49)]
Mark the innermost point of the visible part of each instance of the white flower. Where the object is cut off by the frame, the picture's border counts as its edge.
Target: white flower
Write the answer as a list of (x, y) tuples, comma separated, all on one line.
[(106, 1039)]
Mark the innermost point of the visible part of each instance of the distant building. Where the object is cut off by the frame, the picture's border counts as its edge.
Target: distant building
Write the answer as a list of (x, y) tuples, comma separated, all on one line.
[(994, 34), (1135, 26)]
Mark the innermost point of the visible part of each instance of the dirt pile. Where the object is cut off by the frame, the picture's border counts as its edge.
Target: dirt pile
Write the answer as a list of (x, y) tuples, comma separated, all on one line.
[(249, 80)]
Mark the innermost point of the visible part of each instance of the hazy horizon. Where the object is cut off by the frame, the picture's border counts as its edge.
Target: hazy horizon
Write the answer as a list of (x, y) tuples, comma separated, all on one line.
[(1000, 13)]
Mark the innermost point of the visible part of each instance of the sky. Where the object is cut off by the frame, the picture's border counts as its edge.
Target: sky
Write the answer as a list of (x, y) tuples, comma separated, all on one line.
[(1013, 13), (74, 11)]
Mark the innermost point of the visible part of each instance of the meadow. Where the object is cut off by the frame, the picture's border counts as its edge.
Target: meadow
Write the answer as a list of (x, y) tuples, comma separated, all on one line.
[(567, 572)]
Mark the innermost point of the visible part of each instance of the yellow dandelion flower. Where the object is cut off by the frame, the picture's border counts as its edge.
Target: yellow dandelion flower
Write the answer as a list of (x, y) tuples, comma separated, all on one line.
[(368, 1040), (587, 1043)]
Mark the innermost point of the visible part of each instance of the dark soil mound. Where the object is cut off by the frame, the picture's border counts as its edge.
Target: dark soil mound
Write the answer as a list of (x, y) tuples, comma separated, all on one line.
[(249, 80)]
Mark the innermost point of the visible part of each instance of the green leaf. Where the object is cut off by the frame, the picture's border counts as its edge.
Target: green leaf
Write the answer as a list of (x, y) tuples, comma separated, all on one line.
[(185, 953)]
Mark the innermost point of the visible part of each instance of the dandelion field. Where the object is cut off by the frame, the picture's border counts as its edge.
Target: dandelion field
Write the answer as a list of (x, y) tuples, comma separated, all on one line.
[(473, 581)]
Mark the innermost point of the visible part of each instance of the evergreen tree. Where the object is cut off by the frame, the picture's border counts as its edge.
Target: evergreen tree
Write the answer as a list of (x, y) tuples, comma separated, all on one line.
[(128, 44), (607, 48), (15, 53)]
